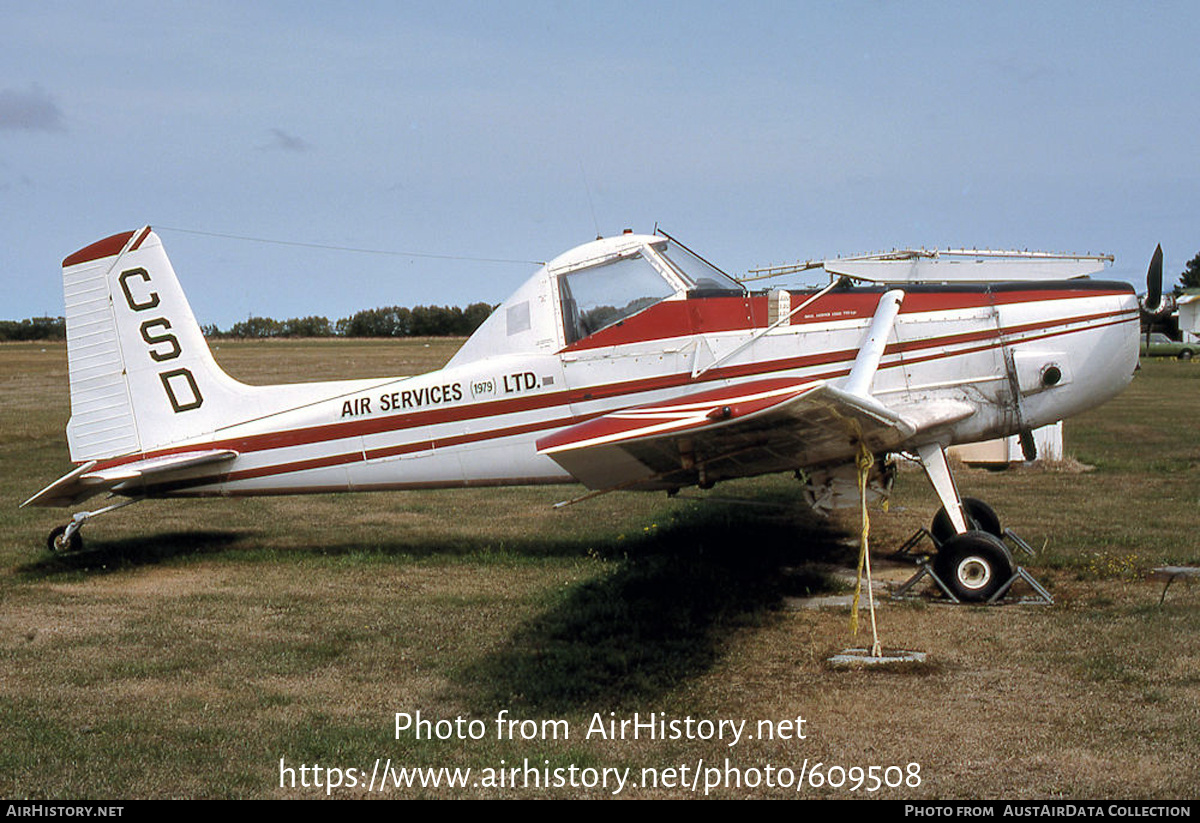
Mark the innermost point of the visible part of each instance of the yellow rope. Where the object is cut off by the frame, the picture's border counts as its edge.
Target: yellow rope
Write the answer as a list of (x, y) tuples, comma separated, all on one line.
[(864, 462)]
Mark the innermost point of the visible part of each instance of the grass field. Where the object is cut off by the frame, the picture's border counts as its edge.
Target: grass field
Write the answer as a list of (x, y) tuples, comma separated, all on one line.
[(193, 644)]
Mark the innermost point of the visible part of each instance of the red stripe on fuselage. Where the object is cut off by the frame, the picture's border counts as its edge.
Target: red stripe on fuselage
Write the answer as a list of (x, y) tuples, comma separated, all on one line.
[(338, 431), (712, 315), (527, 428)]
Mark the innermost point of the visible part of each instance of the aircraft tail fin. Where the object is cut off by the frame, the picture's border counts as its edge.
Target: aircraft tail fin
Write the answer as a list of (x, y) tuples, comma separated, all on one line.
[(142, 376)]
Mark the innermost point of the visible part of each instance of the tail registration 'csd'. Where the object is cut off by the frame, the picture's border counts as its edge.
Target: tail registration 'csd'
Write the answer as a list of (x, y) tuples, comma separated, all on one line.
[(162, 345)]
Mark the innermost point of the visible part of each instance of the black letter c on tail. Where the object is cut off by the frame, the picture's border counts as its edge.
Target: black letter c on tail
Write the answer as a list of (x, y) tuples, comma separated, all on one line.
[(150, 302)]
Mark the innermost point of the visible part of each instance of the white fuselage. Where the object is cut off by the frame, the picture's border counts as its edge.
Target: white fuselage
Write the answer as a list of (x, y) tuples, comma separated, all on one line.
[(1021, 356)]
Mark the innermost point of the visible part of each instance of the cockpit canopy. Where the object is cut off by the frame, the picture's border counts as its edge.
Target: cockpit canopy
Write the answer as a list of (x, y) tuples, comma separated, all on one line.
[(592, 287), (596, 294)]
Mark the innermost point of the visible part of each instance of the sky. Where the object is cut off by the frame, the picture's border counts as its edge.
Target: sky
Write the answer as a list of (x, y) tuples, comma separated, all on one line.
[(461, 143)]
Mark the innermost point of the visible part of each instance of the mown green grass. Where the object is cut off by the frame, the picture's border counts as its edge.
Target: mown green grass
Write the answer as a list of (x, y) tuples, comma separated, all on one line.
[(195, 643)]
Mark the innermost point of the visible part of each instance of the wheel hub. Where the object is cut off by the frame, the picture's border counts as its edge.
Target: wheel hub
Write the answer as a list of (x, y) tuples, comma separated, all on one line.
[(974, 573)]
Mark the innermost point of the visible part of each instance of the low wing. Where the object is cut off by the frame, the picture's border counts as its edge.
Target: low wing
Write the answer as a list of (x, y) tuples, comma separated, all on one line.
[(88, 480), (738, 431)]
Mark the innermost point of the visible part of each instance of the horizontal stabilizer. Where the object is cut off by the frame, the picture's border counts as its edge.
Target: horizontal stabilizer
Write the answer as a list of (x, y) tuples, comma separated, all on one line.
[(738, 431), (87, 481)]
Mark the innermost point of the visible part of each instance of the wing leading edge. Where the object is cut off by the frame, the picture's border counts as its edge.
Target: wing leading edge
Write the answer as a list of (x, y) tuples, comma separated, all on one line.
[(738, 431)]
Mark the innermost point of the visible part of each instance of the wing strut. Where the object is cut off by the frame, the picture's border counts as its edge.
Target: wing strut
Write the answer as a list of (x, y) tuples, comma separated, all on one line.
[(933, 459), (871, 352)]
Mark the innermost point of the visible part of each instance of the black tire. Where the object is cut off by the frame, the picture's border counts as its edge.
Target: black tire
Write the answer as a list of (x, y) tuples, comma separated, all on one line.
[(1186, 354), (980, 517), (973, 565), (56, 543)]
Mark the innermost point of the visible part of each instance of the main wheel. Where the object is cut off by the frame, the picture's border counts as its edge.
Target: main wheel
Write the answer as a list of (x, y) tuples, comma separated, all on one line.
[(973, 565), (980, 517), (57, 542)]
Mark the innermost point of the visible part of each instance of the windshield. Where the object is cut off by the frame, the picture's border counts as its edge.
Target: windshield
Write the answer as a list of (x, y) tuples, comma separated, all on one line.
[(600, 296), (702, 275)]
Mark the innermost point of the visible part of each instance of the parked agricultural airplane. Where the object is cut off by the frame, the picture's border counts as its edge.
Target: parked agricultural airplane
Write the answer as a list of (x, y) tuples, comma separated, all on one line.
[(626, 363)]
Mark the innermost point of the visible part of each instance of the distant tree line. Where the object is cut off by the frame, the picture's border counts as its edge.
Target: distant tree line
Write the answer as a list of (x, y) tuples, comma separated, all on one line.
[(34, 328), (392, 321)]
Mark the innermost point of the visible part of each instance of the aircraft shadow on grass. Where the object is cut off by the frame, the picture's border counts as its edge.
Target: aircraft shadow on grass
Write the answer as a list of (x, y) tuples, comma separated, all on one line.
[(660, 616), (130, 552), (657, 613)]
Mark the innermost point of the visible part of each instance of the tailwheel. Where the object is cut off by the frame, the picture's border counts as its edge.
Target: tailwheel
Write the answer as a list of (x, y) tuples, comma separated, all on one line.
[(980, 517), (68, 539), (60, 541), (973, 565)]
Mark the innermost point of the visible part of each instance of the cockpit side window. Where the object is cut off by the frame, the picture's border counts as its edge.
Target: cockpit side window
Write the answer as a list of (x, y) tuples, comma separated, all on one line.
[(703, 276), (600, 296)]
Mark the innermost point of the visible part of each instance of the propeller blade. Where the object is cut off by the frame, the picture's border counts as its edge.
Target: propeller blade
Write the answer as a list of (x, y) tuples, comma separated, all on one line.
[(1154, 281)]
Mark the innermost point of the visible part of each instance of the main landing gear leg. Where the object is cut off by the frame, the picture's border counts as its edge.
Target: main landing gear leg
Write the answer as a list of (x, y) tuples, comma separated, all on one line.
[(933, 460), (972, 560), (67, 537)]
